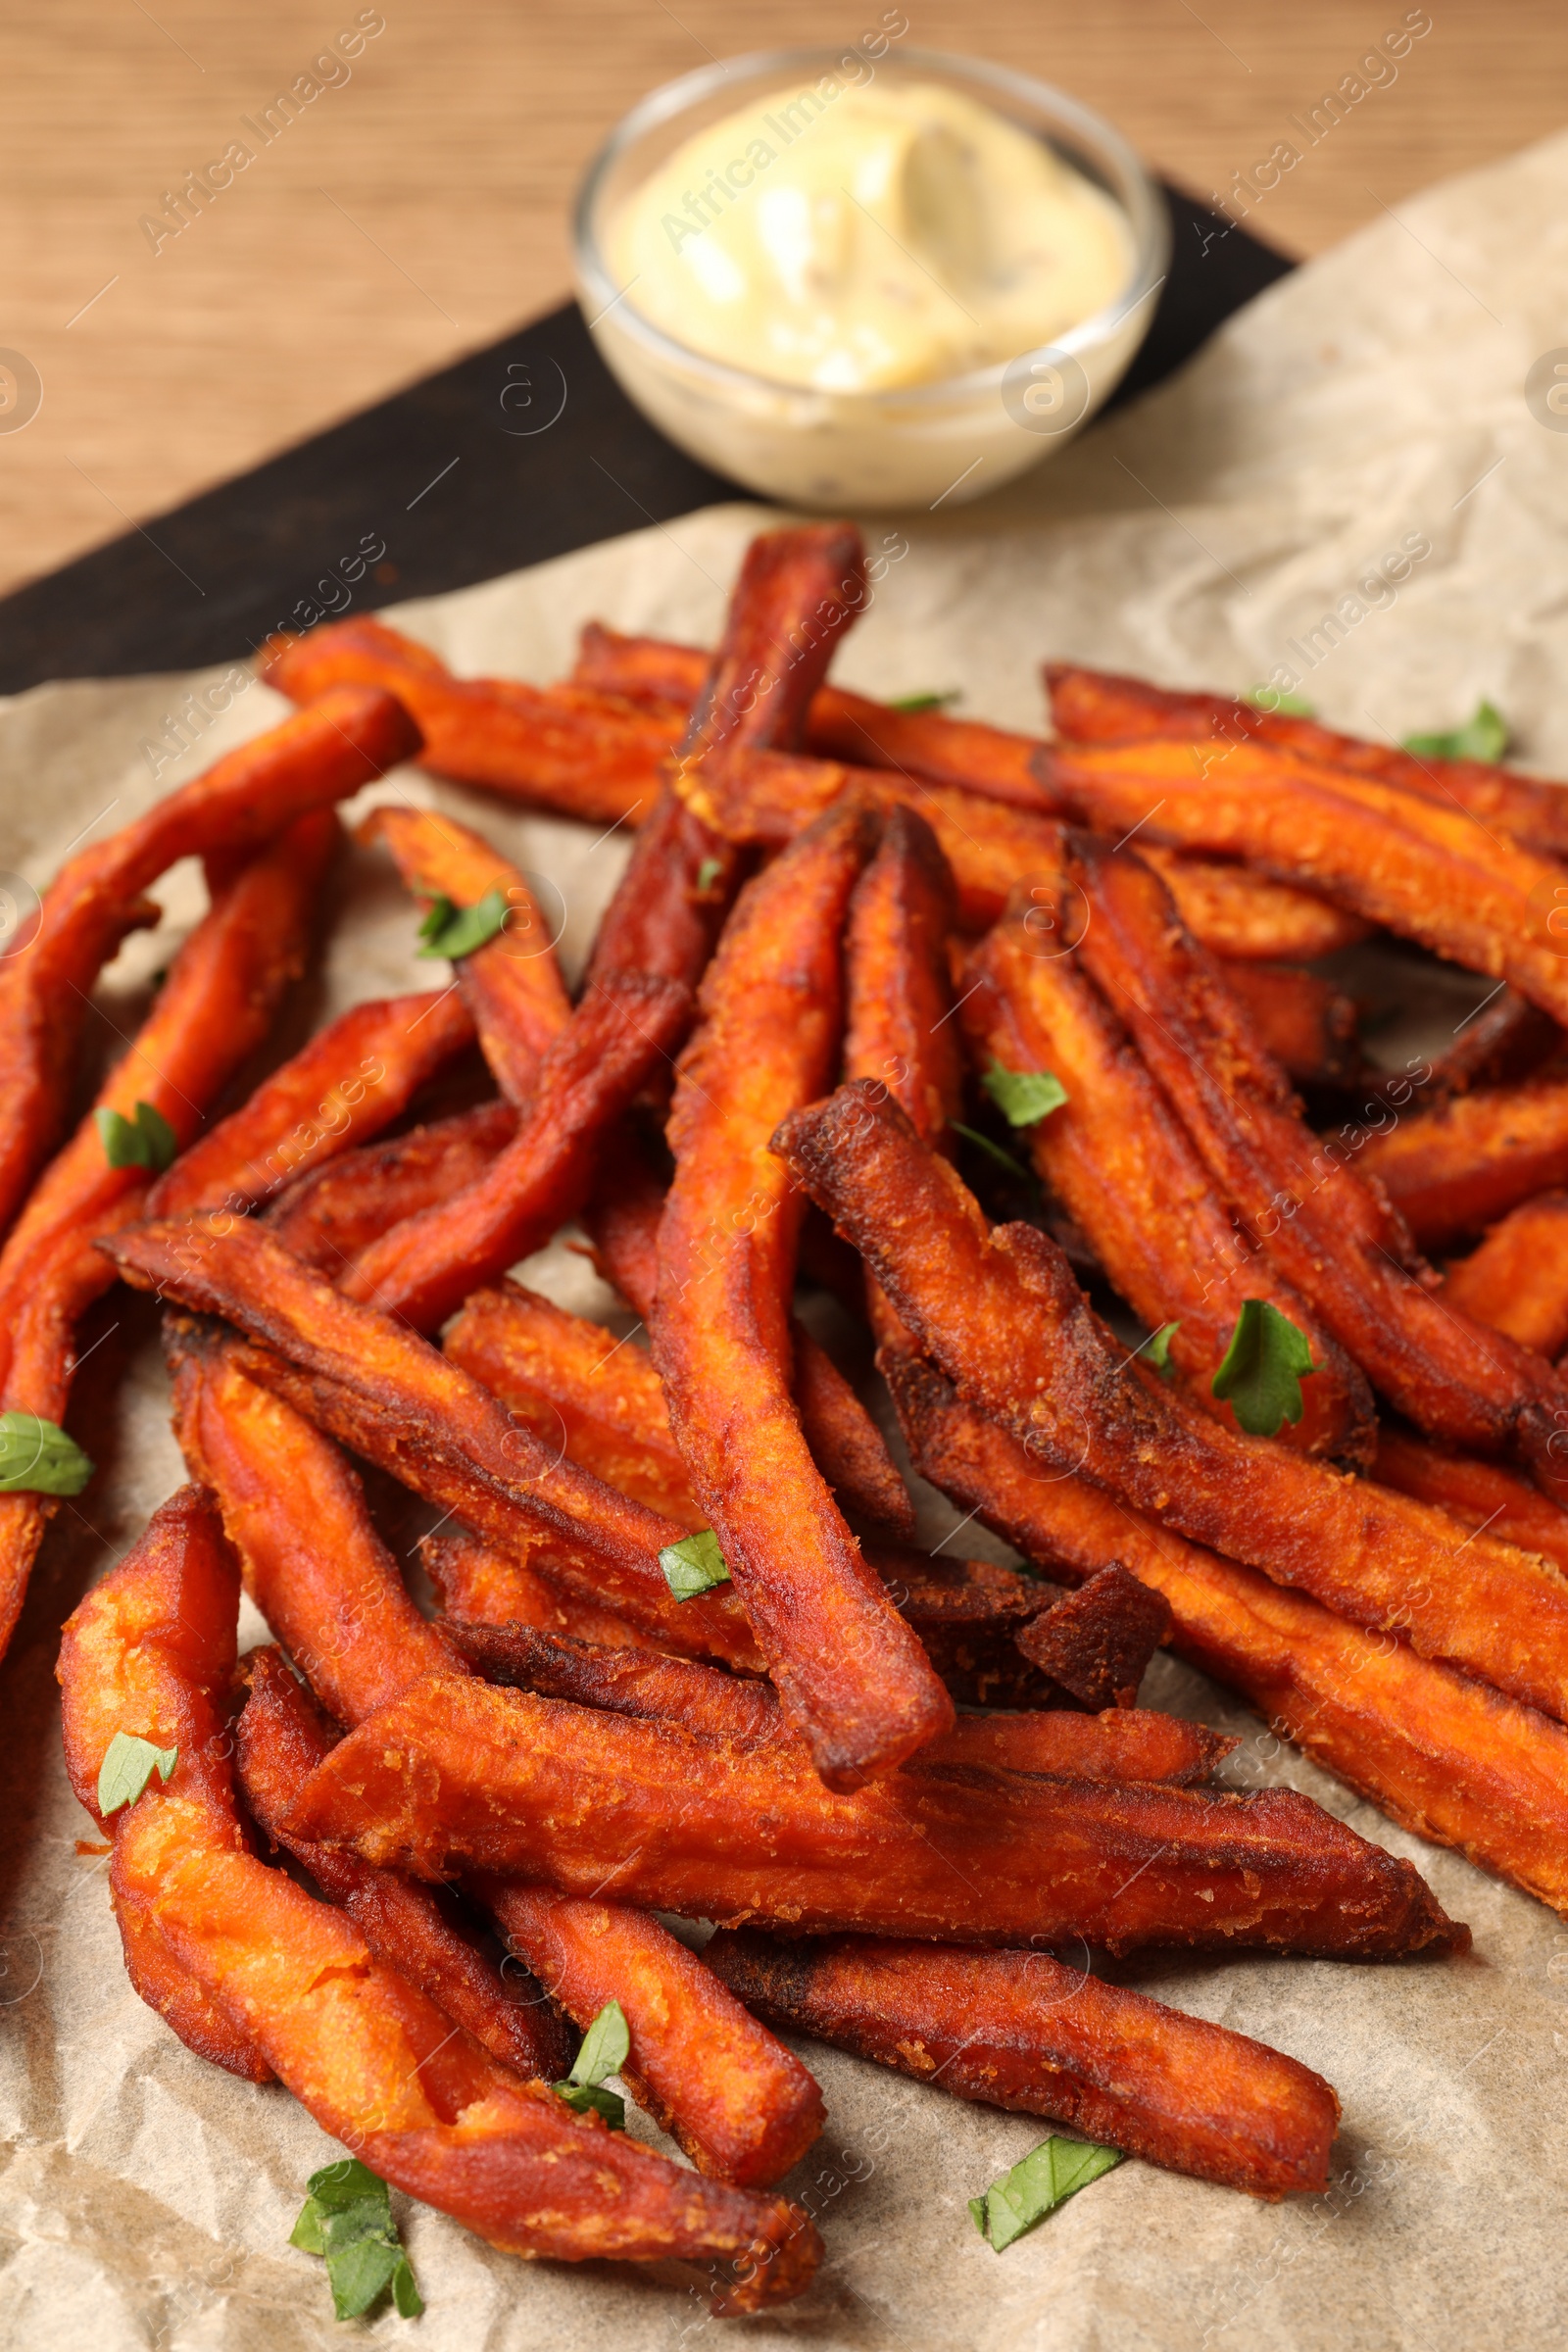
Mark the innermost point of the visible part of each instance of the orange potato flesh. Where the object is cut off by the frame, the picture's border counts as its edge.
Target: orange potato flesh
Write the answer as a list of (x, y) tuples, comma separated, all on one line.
[(556, 747), (378, 1388), (280, 1738), (1124, 1743), (376, 2062), (1516, 1279), (1120, 1162), (1330, 1234), (512, 985), (1427, 873), (757, 2109), (422, 1269), (1099, 707), (1476, 1494), (481, 1585), (461, 1771), (329, 1216), (1306, 1024), (851, 1673), (1018, 2029), (313, 759), (354, 1077), (153, 1656), (214, 1008), (1001, 1315), (1462, 1165), (1440, 1753)]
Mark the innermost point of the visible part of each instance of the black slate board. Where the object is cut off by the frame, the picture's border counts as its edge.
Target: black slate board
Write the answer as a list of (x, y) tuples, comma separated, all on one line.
[(463, 476)]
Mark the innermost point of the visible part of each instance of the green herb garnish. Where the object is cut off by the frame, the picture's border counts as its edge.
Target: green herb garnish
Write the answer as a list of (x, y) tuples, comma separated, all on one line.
[(693, 1565), (1157, 1349), (606, 2047), (348, 2218), (917, 703), (1023, 1096), (128, 1764), (36, 1457), (456, 931), (1047, 2176), (994, 1151), (145, 1142), (708, 871), (1269, 699), (1265, 1366), (1483, 736)]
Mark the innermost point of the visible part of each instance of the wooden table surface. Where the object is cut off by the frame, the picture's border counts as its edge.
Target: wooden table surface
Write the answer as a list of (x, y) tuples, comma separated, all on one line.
[(418, 207)]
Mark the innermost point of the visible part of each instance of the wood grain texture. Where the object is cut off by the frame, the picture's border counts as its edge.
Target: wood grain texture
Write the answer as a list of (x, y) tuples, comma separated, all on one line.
[(417, 211)]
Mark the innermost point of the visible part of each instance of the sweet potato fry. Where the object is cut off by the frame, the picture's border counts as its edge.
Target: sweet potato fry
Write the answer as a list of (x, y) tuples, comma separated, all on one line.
[(378, 1388), (1125, 1743), (354, 1077), (1516, 1279), (279, 1738), (327, 1216), (426, 1266), (1000, 1314), (1245, 917), (512, 985), (372, 2059), (1330, 1234), (1306, 1022), (845, 1443), (1476, 1494), (313, 759), (462, 1771), (481, 1585), (1440, 1753), (556, 747), (214, 1011), (1120, 1162), (1461, 1165), (1018, 2029), (968, 1615), (1099, 707), (1098, 1642), (1425, 873), (850, 1672)]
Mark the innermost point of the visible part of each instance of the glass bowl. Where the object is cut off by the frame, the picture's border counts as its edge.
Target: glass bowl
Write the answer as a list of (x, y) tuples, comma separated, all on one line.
[(926, 445)]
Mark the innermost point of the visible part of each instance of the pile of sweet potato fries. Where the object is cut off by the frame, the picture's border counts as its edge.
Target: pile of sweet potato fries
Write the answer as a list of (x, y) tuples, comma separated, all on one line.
[(687, 1658)]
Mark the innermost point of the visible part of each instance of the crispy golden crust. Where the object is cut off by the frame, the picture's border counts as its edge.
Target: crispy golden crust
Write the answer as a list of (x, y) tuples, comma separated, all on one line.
[(1001, 1315), (1306, 1024), (851, 1673), (461, 1771), (1021, 2031), (481, 1585), (1456, 1167), (1476, 1494), (1516, 1279), (329, 1215)]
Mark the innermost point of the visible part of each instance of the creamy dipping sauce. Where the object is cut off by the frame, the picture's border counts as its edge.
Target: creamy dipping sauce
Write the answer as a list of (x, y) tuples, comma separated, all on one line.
[(864, 239)]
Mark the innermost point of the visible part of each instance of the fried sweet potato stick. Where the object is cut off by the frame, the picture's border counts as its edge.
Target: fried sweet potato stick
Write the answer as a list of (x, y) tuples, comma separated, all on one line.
[(481, 1585), (1001, 1315), (555, 747), (313, 759), (1516, 1279), (512, 985), (1124, 1743), (423, 1269), (622, 1218), (1425, 873), (851, 1673), (1306, 1024), (380, 1389), (329, 1215), (1330, 1234), (1098, 1642), (354, 1077), (968, 1615), (280, 1738), (462, 1771), (1440, 1753), (1245, 917), (372, 2059), (214, 1008), (1120, 1162), (1461, 1165), (1018, 2029), (1098, 706), (1476, 1494)]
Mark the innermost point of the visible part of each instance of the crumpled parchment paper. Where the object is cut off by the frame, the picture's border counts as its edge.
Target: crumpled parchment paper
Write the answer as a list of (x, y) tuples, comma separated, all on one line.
[(1394, 395)]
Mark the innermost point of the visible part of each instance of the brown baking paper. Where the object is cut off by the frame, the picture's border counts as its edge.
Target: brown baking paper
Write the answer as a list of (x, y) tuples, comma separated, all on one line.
[(1374, 404)]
